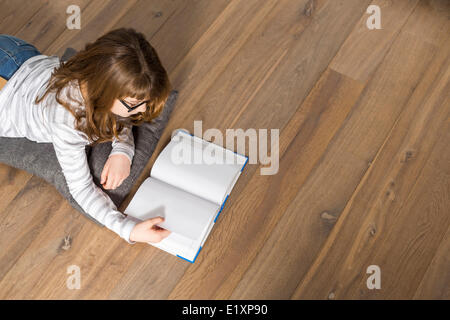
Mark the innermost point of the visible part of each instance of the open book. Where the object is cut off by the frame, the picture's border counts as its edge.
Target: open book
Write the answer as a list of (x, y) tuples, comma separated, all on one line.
[(188, 185)]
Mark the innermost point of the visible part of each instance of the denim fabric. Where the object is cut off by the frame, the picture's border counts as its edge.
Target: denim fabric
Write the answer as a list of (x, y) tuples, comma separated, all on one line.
[(14, 52)]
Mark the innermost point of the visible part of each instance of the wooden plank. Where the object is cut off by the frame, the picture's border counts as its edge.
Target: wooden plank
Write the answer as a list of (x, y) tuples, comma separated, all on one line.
[(210, 55), (423, 25), (91, 250), (12, 181), (431, 15), (418, 231), (215, 85), (301, 68), (43, 27), (48, 250), (227, 255), (21, 221), (293, 78), (376, 208), (16, 14), (149, 17), (184, 28), (97, 17), (143, 15), (436, 282), (304, 227), (364, 49)]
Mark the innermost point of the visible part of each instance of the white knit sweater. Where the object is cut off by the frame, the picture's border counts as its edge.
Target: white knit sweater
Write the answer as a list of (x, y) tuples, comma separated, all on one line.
[(49, 121)]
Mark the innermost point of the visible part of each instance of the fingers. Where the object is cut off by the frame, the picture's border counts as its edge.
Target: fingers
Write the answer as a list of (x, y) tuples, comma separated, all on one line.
[(104, 173), (152, 221), (163, 233), (160, 231), (112, 182), (150, 232), (118, 184), (157, 220), (113, 173), (109, 182)]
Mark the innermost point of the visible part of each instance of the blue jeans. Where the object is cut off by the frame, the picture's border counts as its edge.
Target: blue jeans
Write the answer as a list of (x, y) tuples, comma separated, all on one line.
[(14, 52)]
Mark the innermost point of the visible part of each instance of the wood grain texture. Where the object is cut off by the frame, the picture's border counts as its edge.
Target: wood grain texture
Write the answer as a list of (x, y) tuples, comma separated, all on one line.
[(258, 209), (363, 175), (364, 49), (48, 22), (21, 222), (382, 193), (16, 14), (97, 17), (436, 282), (250, 217)]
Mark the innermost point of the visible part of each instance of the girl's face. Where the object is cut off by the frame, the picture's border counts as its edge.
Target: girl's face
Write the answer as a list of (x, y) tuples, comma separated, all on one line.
[(120, 109)]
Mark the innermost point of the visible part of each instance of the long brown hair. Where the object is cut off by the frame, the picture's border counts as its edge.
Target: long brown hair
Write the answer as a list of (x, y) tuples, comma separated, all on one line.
[(120, 64)]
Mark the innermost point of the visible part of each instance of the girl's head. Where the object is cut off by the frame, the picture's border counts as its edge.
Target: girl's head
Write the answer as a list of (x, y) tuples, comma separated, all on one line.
[(118, 71)]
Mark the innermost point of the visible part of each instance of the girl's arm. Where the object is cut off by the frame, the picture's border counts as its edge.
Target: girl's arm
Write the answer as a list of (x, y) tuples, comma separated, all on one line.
[(126, 146), (70, 151)]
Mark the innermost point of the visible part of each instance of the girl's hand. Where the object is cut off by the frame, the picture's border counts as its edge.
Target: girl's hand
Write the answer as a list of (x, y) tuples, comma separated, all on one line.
[(116, 169), (148, 231)]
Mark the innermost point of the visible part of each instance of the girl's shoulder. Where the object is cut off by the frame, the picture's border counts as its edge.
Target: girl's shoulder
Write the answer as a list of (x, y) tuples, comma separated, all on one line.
[(38, 66), (64, 127), (64, 121)]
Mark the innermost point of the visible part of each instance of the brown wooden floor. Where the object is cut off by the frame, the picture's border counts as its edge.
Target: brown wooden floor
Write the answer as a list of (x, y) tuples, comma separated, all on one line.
[(364, 173)]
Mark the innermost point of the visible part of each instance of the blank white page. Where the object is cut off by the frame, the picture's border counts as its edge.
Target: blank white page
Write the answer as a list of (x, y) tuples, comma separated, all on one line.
[(211, 181), (184, 213)]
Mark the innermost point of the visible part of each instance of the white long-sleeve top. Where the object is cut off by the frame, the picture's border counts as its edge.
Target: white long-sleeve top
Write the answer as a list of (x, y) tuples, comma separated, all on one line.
[(49, 121)]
